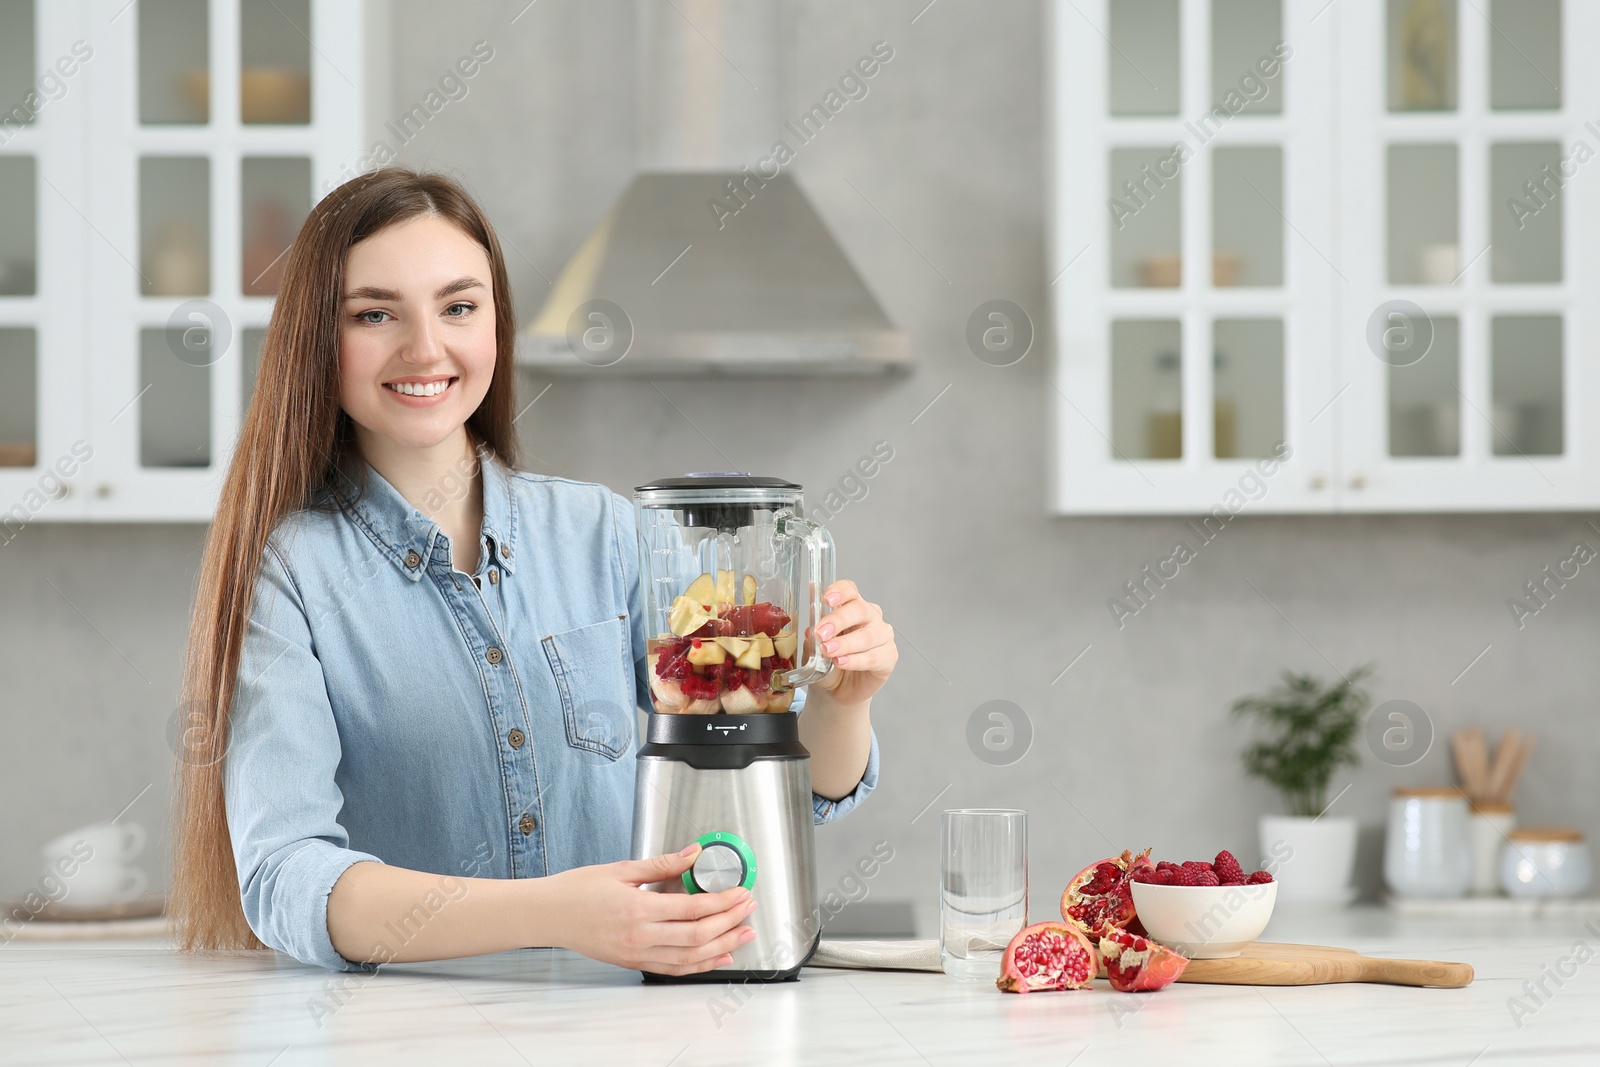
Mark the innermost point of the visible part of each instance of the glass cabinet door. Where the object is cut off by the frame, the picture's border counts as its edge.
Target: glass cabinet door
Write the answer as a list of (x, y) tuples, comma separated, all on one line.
[(232, 118), (42, 67), (1192, 258), (1466, 308)]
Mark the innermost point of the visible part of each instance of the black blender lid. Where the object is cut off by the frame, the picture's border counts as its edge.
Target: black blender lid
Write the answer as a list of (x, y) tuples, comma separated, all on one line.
[(718, 480)]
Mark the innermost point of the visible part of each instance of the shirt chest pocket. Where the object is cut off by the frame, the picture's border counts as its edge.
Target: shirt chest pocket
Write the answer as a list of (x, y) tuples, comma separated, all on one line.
[(593, 667)]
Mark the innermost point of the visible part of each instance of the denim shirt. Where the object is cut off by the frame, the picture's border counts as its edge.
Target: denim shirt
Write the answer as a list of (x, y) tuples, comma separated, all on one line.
[(391, 708)]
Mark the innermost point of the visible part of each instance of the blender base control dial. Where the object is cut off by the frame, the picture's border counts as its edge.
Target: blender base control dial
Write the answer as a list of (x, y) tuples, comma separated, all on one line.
[(725, 861)]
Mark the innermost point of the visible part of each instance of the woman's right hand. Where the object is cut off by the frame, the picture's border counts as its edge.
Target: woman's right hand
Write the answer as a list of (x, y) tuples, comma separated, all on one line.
[(609, 918)]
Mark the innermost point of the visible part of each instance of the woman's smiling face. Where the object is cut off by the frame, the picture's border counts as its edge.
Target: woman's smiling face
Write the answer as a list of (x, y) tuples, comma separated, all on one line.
[(416, 331)]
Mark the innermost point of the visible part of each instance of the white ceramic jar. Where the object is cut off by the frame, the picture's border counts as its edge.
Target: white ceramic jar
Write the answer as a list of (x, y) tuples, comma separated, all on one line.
[(1488, 826), (1427, 852), (1544, 861)]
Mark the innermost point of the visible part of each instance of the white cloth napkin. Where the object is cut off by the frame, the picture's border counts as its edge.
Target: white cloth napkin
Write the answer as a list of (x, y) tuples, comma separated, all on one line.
[(878, 955)]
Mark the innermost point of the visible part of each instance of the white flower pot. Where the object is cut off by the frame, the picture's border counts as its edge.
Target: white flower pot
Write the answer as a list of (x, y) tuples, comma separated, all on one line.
[(1313, 860)]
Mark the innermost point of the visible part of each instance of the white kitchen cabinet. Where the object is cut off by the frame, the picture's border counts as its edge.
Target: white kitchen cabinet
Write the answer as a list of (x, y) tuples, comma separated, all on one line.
[(42, 296), (1308, 166), (173, 172)]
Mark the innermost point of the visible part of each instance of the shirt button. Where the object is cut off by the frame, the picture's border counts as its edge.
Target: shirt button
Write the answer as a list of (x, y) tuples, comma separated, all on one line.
[(505, 551), (525, 824), (494, 576), (494, 655), (516, 738), (412, 560)]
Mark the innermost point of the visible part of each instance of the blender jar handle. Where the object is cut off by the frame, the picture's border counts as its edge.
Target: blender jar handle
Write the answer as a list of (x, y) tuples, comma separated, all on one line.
[(819, 553)]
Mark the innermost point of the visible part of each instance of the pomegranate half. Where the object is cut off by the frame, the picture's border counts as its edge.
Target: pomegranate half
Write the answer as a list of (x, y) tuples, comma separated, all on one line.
[(1100, 895), (1047, 955)]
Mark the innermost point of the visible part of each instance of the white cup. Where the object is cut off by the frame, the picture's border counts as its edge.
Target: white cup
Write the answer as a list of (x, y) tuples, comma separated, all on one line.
[(91, 863), (1427, 853)]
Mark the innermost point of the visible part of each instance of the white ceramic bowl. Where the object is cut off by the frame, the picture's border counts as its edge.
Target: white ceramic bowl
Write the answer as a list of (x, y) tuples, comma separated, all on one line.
[(1205, 922), (1531, 870)]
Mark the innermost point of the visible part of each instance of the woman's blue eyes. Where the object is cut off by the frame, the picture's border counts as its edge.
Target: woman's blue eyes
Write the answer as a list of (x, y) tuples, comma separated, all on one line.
[(466, 307)]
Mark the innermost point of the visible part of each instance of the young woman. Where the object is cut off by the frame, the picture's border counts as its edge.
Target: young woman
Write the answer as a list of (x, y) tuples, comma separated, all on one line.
[(382, 764)]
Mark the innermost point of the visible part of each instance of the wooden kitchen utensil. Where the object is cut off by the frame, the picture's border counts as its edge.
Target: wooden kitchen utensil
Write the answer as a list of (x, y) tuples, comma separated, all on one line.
[(1268, 963)]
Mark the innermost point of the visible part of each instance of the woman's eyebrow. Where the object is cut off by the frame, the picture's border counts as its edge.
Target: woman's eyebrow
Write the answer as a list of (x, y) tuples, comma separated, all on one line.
[(372, 292)]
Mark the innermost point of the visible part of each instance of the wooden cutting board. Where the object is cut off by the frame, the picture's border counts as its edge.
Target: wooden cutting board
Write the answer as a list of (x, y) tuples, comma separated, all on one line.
[(1267, 963)]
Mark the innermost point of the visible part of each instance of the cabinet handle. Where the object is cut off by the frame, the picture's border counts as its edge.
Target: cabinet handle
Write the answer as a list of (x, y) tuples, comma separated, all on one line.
[(63, 490), (1358, 481), (1319, 481), (102, 490)]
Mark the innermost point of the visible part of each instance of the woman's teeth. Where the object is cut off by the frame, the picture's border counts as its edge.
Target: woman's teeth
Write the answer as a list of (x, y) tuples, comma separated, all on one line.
[(413, 389)]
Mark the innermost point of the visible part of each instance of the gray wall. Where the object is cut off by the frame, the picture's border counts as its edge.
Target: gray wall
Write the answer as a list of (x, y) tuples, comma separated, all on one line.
[(992, 597)]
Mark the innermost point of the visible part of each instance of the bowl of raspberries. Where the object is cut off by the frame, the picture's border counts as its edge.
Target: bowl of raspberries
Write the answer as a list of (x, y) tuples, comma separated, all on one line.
[(1204, 910)]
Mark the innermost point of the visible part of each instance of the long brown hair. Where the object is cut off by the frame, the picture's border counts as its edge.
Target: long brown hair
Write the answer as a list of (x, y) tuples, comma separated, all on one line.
[(292, 443)]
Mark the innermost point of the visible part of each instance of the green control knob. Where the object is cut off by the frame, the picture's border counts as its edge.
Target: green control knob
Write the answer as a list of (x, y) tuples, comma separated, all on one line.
[(725, 861)]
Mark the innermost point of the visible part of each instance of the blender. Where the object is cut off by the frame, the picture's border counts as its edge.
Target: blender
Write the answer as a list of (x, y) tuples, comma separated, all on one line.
[(726, 561)]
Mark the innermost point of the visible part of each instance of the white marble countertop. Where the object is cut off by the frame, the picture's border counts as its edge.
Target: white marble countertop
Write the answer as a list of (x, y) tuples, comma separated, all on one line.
[(136, 1001)]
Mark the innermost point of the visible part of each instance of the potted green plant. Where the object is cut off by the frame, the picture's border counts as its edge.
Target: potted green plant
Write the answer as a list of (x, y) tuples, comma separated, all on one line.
[(1308, 730)]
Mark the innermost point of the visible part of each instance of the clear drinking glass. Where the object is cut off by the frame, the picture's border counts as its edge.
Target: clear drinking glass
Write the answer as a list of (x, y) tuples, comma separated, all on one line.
[(983, 888)]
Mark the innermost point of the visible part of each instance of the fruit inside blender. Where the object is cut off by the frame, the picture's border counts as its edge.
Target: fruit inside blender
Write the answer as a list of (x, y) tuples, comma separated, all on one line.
[(721, 651)]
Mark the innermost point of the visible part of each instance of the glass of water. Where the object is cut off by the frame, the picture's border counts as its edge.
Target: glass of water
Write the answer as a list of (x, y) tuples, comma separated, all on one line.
[(983, 888)]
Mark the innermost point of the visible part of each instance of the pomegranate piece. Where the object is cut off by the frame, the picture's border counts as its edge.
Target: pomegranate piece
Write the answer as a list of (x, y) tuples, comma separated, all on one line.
[(1100, 895), (1136, 964), (1047, 955)]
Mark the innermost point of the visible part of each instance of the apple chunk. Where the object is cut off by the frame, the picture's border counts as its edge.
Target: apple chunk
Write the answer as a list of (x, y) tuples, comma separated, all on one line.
[(736, 646), (707, 653), (785, 644), (749, 590), (687, 616), (703, 591)]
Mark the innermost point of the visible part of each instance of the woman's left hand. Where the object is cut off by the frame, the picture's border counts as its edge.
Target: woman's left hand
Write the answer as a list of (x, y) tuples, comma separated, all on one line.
[(858, 641)]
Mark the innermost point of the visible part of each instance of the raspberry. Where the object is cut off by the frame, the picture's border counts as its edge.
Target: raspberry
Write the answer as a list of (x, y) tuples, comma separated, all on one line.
[(1144, 874), (1208, 878), (1185, 876), (1258, 878), (1166, 865), (1228, 869), (1161, 877), (673, 663), (1198, 866), (701, 687)]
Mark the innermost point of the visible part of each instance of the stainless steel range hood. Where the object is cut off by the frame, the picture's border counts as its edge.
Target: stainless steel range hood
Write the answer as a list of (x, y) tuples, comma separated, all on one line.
[(706, 263)]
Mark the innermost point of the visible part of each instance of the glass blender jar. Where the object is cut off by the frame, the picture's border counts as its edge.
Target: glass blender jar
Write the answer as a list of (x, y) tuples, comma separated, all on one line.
[(726, 561)]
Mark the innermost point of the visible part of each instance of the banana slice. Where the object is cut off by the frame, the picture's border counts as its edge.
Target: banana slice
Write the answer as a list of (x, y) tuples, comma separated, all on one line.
[(742, 701)]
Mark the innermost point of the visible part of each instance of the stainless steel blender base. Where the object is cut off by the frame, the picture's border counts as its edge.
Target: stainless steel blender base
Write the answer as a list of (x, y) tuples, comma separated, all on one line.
[(767, 804)]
